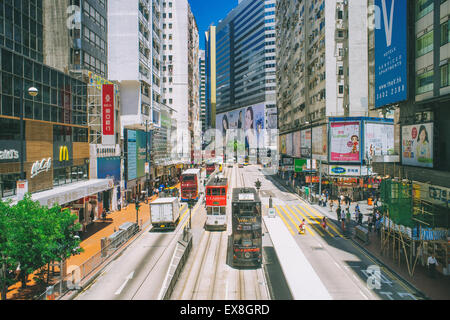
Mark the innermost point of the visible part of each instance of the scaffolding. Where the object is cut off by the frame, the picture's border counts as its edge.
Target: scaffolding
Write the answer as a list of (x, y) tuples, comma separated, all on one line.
[(412, 228)]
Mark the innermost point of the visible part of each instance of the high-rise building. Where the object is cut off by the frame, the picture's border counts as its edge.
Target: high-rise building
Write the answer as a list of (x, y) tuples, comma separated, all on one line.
[(245, 59), (45, 136), (210, 61), (134, 55), (202, 71), (180, 71), (418, 89), (321, 54)]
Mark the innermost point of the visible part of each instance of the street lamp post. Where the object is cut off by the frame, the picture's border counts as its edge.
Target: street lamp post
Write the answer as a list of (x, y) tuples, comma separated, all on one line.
[(32, 91)]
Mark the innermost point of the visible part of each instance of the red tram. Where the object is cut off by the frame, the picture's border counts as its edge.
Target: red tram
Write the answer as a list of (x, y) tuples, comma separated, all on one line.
[(216, 203)]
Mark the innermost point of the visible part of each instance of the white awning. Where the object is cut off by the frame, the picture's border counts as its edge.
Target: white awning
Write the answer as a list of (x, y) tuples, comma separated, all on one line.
[(71, 192)]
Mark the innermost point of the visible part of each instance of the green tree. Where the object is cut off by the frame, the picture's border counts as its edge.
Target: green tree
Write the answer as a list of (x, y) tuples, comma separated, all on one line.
[(6, 275), (35, 235)]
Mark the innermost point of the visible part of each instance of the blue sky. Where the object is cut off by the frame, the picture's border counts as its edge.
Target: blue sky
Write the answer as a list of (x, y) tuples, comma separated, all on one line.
[(207, 12)]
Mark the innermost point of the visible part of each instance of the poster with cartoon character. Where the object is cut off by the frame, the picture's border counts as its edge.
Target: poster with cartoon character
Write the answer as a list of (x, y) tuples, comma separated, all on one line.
[(345, 143)]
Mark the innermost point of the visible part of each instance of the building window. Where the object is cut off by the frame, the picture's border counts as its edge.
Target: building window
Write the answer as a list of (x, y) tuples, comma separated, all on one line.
[(445, 33), (445, 76), (423, 7), (424, 82), (425, 44)]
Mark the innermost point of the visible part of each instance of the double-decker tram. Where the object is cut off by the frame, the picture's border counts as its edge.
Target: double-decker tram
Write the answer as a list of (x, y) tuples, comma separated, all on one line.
[(246, 224), (216, 203), (210, 168), (190, 184)]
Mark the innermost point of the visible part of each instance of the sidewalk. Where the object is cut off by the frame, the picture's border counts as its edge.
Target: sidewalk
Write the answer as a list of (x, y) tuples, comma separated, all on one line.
[(435, 289), (91, 243)]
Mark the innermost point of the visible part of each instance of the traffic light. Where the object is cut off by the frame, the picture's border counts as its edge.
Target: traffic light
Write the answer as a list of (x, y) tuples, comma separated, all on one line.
[(269, 153)]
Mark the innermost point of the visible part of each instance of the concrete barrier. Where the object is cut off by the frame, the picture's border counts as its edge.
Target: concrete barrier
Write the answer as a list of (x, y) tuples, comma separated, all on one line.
[(180, 256)]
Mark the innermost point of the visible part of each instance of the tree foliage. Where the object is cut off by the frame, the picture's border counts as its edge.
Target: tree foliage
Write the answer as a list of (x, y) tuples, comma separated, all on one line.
[(32, 236)]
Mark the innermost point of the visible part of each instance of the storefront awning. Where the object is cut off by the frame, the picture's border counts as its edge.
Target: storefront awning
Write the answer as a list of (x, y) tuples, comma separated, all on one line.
[(71, 192)]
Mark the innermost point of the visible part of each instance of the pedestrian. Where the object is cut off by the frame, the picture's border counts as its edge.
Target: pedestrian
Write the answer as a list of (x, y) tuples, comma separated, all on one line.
[(360, 218), (432, 263), (370, 222), (339, 200), (331, 205), (347, 216), (324, 223), (338, 213)]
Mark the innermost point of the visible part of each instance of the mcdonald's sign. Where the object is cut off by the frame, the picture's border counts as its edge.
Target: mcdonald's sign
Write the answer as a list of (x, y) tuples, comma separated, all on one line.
[(63, 154)]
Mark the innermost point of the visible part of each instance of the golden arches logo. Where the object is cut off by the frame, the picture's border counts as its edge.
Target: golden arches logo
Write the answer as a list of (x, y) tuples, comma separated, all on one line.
[(63, 154)]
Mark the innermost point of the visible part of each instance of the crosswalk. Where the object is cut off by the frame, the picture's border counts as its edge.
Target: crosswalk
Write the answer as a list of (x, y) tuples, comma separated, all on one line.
[(292, 215)]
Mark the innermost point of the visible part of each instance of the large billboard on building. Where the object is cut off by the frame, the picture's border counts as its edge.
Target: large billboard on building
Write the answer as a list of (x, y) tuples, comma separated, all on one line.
[(109, 168), (305, 143), (345, 141), (296, 144), (417, 145), (108, 119), (131, 155), (141, 150), (320, 142), (379, 139), (283, 144), (390, 51), (289, 144)]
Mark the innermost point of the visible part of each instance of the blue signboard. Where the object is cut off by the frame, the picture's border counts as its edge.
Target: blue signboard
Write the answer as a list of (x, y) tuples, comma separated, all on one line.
[(132, 155), (390, 52), (109, 168)]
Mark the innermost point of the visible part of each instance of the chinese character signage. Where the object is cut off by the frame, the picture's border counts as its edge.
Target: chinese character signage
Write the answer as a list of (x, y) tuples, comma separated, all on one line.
[(390, 52), (108, 136), (417, 145), (345, 170)]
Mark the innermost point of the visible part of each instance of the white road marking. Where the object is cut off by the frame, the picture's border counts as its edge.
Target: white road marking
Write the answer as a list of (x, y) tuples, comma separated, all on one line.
[(128, 278)]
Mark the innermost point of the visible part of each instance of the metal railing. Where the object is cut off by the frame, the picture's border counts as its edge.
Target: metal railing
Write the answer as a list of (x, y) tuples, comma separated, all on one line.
[(77, 274)]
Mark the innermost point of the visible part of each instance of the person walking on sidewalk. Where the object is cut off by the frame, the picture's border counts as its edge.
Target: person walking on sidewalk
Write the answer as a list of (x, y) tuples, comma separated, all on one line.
[(348, 216), (432, 263), (370, 222), (338, 213), (331, 205)]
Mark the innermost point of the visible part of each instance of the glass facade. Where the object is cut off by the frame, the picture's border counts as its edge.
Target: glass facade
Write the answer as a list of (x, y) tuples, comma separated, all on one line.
[(245, 53), (61, 98), (21, 28)]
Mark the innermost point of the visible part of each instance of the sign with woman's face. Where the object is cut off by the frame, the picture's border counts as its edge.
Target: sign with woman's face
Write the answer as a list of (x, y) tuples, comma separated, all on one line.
[(417, 145)]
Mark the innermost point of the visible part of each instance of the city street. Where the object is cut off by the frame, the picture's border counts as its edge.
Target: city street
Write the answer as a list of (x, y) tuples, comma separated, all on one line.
[(344, 268)]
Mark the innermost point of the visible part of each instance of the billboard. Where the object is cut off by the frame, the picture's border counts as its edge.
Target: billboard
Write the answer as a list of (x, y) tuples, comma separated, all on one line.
[(378, 139), (283, 144), (417, 145), (296, 144), (344, 170), (305, 143), (131, 155), (109, 168), (390, 52), (140, 153), (300, 165), (289, 144), (320, 141), (251, 119), (345, 142), (108, 136)]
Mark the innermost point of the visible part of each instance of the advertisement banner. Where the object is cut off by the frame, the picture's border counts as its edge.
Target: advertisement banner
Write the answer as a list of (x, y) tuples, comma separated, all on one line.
[(379, 139), (108, 136), (345, 142), (320, 142), (417, 145), (344, 170), (391, 52), (132, 155), (283, 144), (296, 144), (251, 119), (289, 147), (140, 153), (435, 194), (305, 143), (10, 151), (300, 165), (109, 168)]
